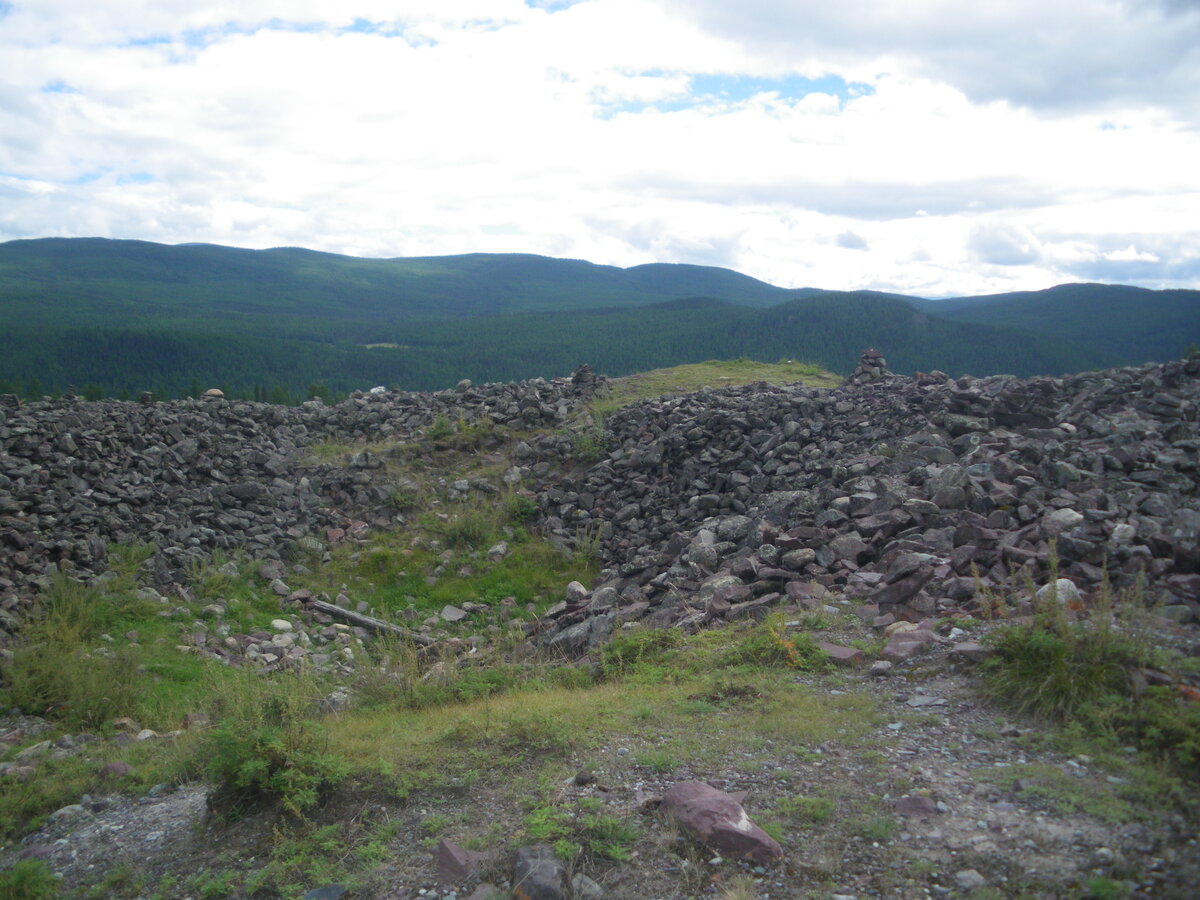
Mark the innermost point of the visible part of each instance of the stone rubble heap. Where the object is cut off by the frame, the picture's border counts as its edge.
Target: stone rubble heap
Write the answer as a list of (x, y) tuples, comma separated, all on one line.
[(195, 476), (896, 495), (871, 367)]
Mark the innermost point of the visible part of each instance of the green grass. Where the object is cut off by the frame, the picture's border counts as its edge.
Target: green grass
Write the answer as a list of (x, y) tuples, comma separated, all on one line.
[(1087, 673), (430, 729), (268, 744), (691, 377), (29, 879), (658, 761), (879, 829), (806, 810)]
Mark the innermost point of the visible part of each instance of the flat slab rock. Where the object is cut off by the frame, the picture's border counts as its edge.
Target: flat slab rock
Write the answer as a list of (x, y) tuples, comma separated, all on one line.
[(718, 820)]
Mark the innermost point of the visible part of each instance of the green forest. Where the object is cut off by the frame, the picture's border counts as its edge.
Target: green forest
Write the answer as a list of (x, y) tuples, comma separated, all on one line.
[(114, 318)]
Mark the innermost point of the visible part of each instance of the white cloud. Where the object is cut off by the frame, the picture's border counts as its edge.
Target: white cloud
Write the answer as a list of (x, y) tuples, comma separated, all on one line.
[(1070, 54), (979, 155), (1131, 254)]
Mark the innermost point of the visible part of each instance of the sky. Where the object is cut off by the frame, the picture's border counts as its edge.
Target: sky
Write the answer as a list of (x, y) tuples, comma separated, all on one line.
[(928, 147)]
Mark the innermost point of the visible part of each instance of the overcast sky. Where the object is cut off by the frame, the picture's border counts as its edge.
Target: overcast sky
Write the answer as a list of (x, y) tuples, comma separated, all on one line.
[(929, 147)]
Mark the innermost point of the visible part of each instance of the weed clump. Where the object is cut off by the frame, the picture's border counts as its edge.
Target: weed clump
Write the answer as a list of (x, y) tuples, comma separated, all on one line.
[(440, 428), (1090, 671), (590, 445), (770, 645), (29, 879), (638, 649), (586, 830), (268, 746), (57, 667)]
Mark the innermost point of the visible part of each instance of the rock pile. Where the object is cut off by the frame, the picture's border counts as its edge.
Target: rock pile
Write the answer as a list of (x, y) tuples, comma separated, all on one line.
[(897, 494), (871, 367), (194, 476)]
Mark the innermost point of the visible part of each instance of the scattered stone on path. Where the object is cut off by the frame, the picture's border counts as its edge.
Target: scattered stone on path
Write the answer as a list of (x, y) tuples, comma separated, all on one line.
[(920, 701), (881, 668), (328, 892), (915, 805)]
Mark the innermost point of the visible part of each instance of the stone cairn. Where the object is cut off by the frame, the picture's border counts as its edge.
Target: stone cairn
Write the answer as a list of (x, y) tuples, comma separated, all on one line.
[(871, 367)]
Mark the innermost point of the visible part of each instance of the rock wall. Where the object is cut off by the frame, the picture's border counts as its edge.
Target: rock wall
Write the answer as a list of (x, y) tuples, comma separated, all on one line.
[(896, 492), (195, 476)]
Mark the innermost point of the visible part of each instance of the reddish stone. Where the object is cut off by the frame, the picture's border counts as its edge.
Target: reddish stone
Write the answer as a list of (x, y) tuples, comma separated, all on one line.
[(842, 656), (720, 822), (970, 650), (903, 590), (453, 862), (916, 806), (905, 645), (716, 607)]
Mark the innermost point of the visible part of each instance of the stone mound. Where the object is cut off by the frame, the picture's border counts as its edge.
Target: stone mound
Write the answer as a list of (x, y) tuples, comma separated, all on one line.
[(195, 476), (899, 493)]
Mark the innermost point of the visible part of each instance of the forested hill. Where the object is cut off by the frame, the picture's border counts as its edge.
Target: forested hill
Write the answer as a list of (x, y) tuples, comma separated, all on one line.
[(1133, 324), (94, 277), (117, 317)]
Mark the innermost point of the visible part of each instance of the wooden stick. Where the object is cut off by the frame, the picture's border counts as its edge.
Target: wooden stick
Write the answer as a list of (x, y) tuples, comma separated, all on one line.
[(367, 622)]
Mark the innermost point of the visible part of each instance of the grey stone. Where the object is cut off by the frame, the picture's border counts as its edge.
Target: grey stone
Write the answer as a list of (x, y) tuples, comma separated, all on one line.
[(538, 874), (969, 880)]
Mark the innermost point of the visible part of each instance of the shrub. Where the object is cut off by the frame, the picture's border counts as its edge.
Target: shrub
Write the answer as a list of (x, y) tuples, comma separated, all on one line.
[(769, 644), (439, 428), (29, 879), (56, 668), (633, 650), (267, 746), (590, 445), (519, 509), (470, 528), (1088, 671)]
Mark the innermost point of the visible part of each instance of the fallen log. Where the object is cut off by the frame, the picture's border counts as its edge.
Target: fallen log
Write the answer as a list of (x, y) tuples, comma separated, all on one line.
[(354, 618)]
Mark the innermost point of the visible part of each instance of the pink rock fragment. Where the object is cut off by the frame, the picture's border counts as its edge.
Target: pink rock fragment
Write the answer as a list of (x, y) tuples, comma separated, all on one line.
[(720, 822), (842, 656), (453, 862), (916, 805), (906, 644)]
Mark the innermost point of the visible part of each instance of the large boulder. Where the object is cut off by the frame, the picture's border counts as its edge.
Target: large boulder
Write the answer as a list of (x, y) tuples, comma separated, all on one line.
[(718, 820)]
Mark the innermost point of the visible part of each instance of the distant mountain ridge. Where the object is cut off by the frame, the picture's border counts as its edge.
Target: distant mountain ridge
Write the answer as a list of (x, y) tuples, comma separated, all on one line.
[(123, 315), (1134, 324)]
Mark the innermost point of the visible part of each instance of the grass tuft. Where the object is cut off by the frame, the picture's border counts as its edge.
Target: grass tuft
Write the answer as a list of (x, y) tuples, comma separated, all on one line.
[(1088, 672)]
